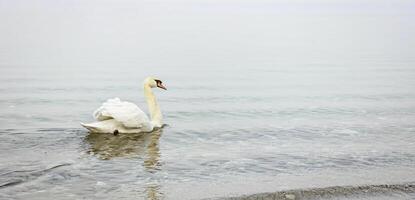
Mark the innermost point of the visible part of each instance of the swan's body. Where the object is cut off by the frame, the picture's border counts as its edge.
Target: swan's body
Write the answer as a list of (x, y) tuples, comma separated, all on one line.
[(116, 116)]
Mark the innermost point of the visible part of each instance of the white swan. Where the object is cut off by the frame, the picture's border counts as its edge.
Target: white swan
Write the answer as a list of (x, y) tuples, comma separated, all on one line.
[(116, 116)]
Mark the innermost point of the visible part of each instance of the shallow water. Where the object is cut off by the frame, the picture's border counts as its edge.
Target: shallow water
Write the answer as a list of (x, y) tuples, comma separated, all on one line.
[(265, 129)]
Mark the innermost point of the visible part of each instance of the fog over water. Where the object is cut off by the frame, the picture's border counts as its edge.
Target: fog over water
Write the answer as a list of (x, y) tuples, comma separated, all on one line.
[(262, 96)]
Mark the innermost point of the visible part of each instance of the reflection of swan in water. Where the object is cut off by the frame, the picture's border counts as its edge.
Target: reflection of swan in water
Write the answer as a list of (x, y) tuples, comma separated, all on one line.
[(146, 146), (153, 192)]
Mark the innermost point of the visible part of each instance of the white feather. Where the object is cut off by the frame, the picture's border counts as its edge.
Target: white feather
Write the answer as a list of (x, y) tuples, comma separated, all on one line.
[(128, 114)]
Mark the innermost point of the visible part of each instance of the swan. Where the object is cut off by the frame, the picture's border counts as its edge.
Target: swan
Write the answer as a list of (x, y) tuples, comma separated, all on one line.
[(116, 116)]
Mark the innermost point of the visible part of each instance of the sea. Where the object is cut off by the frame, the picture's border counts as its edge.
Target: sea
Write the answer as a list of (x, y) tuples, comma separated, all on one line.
[(228, 133)]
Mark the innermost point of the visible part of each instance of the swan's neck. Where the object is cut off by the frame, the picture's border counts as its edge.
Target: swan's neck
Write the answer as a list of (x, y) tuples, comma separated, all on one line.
[(153, 107)]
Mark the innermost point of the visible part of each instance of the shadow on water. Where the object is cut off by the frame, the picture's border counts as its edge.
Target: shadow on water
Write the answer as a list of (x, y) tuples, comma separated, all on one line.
[(141, 145)]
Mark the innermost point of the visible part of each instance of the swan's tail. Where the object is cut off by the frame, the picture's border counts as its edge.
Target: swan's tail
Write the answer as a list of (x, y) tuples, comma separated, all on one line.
[(90, 127)]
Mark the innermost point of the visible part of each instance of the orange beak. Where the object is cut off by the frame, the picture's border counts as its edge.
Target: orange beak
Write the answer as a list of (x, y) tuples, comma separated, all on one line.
[(160, 85)]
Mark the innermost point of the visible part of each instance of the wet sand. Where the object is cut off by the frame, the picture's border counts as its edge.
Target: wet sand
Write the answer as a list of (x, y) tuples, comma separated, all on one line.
[(392, 191)]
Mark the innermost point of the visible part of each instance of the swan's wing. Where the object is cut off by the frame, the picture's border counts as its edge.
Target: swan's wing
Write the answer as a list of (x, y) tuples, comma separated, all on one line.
[(125, 112)]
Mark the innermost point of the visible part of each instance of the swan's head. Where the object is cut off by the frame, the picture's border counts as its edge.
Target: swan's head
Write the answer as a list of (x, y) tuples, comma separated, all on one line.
[(154, 82)]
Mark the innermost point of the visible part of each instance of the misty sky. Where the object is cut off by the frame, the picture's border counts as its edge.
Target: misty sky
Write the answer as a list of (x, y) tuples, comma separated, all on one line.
[(202, 33)]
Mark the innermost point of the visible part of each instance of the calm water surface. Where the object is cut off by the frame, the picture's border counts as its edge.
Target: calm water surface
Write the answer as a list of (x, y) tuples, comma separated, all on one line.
[(230, 130)]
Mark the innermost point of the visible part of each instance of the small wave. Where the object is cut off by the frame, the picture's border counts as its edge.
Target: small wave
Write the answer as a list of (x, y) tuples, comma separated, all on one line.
[(27, 175)]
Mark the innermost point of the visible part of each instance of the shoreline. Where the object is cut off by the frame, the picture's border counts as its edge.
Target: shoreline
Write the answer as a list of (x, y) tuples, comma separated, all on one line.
[(396, 191)]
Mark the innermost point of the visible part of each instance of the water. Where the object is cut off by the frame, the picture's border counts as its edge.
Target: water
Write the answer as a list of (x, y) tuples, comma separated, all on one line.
[(228, 133)]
